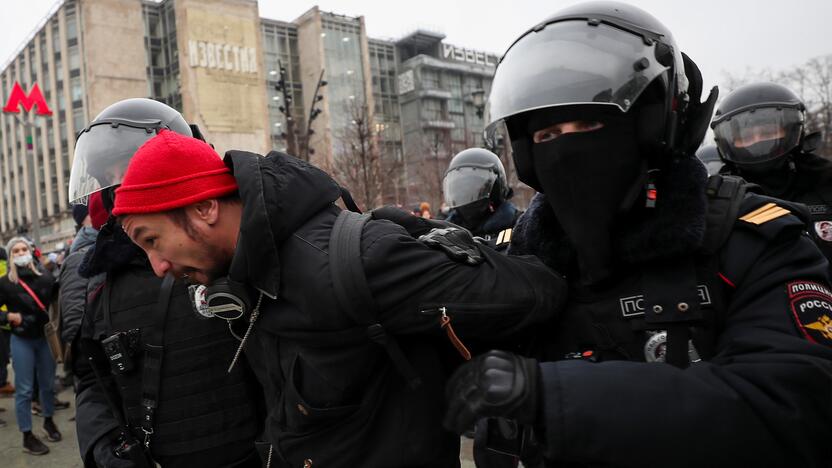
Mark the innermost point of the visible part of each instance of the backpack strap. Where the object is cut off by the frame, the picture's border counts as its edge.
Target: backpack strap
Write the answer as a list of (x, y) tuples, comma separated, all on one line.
[(725, 195), (353, 293), (153, 355)]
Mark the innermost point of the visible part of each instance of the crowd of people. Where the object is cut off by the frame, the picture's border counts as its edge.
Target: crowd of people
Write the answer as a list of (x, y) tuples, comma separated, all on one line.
[(227, 312)]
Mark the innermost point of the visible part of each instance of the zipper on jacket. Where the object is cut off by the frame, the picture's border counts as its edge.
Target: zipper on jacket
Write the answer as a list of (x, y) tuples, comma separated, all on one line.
[(445, 324)]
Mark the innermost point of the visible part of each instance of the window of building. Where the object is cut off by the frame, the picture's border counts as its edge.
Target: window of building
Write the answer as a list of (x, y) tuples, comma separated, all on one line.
[(430, 79), (75, 89), (74, 58), (432, 109)]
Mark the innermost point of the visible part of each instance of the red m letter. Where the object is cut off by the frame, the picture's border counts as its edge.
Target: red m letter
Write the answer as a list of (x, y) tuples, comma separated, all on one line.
[(35, 98)]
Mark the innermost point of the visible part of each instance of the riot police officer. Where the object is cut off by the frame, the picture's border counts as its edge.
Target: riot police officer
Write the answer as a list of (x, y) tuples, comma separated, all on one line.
[(709, 156), (149, 388), (698, 325), (477, 192), (760, 130)]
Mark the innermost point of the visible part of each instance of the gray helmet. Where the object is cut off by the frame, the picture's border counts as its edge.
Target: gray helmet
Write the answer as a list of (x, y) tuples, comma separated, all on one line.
[(758, 123), (104, 148), (598, 54), (710, 157), (475, 174)]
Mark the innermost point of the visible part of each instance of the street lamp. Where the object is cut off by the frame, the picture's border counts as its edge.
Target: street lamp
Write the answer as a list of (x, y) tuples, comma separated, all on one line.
[(286, 110), (313, 114), (478, 97)]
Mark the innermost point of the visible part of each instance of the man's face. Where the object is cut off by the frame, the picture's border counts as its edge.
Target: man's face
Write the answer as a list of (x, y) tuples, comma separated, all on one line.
[(184, 253)]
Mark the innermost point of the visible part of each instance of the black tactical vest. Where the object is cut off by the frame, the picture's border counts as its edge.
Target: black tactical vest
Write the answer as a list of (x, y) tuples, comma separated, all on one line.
[(636, 315), (201, 405)]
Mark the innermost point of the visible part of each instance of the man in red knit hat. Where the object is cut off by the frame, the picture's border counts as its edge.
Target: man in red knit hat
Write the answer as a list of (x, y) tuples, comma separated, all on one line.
[(352, 380)]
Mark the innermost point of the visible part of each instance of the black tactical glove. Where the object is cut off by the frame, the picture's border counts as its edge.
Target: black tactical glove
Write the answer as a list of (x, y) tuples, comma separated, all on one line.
[(494, 384), (698, 114), (456, 242), (414, 225), (104, 455)]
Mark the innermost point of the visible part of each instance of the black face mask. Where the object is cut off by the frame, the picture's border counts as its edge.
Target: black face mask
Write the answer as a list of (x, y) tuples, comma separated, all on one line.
[(474, 214), (591, 179)]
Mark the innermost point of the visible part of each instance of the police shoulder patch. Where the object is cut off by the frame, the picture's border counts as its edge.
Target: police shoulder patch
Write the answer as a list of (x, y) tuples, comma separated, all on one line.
[(811, 305)]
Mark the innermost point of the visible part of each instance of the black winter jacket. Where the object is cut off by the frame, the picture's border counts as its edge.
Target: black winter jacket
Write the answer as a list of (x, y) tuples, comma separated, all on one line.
[(761, 396), (16, 299), (340, 403)]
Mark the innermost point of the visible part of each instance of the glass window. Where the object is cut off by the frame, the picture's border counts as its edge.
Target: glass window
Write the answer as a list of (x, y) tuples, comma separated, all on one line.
[(432, 109), (430, 79), (74, 58), (75, 89), (71, 27)]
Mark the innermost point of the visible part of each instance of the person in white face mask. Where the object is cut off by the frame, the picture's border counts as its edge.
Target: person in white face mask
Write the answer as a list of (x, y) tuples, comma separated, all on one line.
[(27, 291)]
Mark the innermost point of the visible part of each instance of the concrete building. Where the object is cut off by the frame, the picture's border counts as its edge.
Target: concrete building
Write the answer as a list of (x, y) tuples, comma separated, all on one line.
[(438, 84), (249, 83)]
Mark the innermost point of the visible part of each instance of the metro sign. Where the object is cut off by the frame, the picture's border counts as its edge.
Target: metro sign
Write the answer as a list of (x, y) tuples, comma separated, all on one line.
[(19, 97)]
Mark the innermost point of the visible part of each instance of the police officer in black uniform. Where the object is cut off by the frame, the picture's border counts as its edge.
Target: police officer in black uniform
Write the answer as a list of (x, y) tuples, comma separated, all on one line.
[(760, 130), (709, 156), (149, 385), (698, 329), (477, 192)]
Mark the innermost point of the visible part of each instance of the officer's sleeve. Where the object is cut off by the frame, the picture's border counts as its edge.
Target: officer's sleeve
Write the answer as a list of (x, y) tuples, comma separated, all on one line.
[(72, 297), (765, 399), (413, 284), (93, 417)]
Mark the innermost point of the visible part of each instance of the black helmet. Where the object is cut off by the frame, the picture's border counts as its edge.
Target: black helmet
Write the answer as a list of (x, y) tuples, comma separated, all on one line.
[(758, 123), (710, 157), (475, 174), (105, 147), (599, 54)]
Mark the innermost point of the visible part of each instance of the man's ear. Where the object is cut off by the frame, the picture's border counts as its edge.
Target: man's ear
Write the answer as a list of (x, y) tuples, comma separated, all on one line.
[(207, 211)]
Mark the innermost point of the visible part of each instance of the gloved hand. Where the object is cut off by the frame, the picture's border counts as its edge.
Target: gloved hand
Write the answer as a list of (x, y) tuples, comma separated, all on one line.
[(456, 242), (494, 384), (105, 457), (414, 225), (698, 114)]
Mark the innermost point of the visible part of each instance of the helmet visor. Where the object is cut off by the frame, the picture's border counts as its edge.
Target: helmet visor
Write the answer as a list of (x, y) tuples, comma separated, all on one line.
[(759, 135), (102, 153), (572, 62), (467, 184)]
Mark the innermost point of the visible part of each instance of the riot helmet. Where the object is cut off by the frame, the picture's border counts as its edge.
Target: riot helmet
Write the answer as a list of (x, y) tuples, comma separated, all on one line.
[(104, 148), (474, 184), (710, 157), (758, 124), (592, 99)]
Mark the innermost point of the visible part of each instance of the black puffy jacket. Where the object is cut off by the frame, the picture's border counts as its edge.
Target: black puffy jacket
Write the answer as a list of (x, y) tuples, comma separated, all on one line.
[(339, 402)]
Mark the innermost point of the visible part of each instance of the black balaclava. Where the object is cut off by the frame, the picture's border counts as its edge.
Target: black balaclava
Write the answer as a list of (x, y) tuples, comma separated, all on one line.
[(474, 214), (591, 180), (776, 176)]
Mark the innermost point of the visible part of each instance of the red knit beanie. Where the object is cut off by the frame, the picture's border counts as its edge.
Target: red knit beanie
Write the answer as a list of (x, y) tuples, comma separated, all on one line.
[(171, 171)]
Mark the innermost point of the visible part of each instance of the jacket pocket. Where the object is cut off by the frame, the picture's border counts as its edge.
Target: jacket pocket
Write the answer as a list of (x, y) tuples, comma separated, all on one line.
[(300, 414)]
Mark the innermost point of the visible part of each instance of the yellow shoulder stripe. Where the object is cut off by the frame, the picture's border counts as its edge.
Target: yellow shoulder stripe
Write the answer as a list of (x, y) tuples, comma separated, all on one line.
[(765, 214), (504, 236)]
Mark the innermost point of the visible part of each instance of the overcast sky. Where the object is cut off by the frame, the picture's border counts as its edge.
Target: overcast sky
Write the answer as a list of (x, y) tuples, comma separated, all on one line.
[(720, 35)]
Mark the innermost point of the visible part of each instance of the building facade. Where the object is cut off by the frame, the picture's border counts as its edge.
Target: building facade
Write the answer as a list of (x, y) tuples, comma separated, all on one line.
[(315, 86)]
